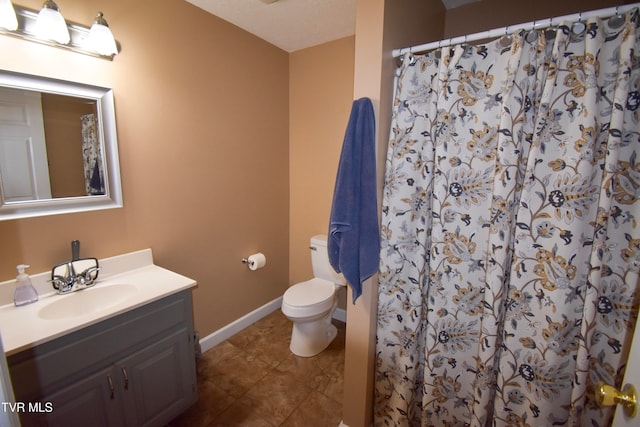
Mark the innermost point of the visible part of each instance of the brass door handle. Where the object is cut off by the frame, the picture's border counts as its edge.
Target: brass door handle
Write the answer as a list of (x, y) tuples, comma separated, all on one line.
[(607, 395)]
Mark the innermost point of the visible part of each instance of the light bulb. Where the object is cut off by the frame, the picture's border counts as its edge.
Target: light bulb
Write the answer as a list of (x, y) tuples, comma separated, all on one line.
[(100, 39), (8, 18), (50, 25)]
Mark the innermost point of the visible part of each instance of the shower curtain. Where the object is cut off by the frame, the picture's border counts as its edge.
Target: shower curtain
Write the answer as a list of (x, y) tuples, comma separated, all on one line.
[(510, 246), (91, 156)]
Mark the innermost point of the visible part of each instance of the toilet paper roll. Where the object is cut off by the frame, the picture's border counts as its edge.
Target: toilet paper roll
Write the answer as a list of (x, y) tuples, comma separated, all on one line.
[(257, 261)]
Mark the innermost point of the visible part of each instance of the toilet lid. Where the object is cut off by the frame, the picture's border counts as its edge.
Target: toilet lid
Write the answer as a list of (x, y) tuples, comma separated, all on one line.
[(309, 293)]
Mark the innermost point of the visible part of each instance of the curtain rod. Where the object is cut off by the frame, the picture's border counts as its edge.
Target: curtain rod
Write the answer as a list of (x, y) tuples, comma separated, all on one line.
[(510, 29)]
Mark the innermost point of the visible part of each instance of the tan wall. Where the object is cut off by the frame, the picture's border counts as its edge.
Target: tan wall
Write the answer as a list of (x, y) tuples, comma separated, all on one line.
[(490, 14), (381, 26), (203, 129), (63, 133), (320, 97)]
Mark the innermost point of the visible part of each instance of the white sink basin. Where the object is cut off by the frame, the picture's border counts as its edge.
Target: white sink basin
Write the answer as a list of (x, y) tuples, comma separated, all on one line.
[(87, 301)]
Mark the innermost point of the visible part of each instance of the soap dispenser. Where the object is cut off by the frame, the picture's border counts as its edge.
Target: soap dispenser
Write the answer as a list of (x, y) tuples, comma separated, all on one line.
[(25, 293)]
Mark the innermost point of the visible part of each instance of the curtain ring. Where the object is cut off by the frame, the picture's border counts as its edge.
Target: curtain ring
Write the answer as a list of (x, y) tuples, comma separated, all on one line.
[(411, 57), (578, 27), (531, 35)]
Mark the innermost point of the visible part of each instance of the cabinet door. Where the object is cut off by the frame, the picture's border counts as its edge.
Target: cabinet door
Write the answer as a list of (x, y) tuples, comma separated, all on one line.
[(91, 401), (159, 381)]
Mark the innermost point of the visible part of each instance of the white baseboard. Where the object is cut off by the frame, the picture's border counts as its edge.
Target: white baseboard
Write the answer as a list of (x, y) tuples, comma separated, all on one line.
[(249, 319), (340, 314), (237, 325)]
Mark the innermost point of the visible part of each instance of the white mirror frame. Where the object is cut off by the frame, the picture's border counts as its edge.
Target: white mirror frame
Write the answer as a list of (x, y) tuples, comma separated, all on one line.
[(107, 134)]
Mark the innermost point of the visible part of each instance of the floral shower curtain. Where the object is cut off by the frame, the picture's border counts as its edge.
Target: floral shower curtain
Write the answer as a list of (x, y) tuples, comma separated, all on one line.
[(92, 156), (510, 241)]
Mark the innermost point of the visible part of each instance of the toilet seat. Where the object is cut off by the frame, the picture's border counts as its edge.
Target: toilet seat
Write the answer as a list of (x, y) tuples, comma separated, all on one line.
[(308, 298)]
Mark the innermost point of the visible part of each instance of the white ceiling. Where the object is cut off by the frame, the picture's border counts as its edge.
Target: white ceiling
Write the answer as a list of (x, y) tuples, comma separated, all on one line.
[(293, 24)]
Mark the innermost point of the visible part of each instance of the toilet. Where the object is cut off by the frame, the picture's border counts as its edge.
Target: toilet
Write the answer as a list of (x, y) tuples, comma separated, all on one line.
[(310, 304)]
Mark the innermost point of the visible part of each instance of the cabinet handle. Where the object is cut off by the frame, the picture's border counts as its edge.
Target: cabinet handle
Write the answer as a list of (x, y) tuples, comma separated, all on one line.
[(111, 388), (126, 378)]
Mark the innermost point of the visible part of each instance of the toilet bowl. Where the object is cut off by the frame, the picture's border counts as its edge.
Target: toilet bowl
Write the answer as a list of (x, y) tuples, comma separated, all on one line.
[(310, 304)]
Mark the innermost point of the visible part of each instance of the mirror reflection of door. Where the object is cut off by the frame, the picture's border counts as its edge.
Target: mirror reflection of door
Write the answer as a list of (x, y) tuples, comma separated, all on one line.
[(24, 170)]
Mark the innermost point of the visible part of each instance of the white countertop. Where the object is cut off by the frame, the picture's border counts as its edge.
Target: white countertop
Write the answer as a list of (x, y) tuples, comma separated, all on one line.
[(23, 327)]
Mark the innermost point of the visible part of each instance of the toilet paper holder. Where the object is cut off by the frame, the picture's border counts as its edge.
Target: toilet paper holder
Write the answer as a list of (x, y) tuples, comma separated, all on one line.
[(255, 261)]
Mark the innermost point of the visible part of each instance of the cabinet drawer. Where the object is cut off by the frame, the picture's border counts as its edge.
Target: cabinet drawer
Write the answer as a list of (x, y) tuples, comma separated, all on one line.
[(39, 371)]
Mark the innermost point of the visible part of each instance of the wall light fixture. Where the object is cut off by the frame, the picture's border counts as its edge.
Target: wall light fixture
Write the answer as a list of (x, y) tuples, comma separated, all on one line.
[(100, 38), (8, 20), (49, 27), (50, 24)]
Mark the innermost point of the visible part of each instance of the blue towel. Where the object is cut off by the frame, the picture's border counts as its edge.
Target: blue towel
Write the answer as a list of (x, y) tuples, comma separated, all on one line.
[(354, 239)]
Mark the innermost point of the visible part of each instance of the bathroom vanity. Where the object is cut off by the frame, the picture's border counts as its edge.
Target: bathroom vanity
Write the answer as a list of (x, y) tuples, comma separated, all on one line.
[(124, 356)]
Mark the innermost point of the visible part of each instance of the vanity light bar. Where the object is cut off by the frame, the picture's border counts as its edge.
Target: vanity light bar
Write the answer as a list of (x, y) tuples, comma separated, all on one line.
[(27, 31)]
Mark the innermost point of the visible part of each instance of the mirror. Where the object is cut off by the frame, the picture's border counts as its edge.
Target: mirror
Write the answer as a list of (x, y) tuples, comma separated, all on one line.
[(58, 147)]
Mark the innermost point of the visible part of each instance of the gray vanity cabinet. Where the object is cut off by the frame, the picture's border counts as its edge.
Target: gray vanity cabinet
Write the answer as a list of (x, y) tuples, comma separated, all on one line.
[(154, 379), (85, 403), (135, 369)]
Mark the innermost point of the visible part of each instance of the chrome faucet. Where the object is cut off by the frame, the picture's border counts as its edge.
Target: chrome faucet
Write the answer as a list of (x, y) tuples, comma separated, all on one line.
[(71, 281), (64, 278)]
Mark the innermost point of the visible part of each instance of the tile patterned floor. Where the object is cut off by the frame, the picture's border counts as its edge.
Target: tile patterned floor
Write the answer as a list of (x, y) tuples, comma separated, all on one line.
[(253, 379)]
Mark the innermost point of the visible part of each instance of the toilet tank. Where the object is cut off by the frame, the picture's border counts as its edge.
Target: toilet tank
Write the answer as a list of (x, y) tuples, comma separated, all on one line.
[(320, 261)]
